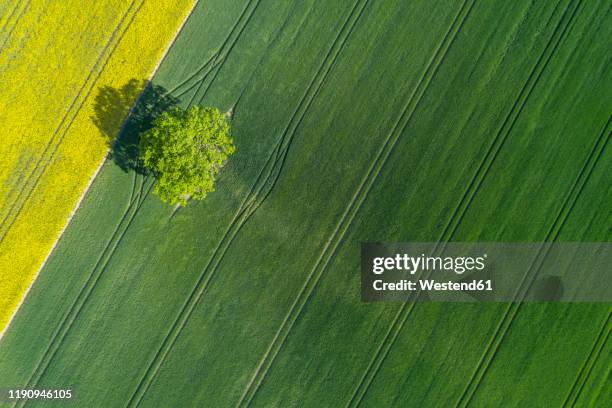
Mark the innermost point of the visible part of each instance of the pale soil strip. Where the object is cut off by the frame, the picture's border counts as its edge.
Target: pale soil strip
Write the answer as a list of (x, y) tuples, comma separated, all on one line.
[(93, 177), (36, 181), (41, 368), (27, 291)]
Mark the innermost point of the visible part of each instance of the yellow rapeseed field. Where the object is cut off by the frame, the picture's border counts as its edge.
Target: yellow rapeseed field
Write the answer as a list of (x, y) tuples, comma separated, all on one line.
[(54, 57)]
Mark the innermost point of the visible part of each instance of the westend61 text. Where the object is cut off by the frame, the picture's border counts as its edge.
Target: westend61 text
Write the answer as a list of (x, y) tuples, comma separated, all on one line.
[(432, 285)]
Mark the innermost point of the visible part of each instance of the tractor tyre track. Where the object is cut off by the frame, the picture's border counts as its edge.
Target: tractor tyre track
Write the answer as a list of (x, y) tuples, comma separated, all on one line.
[(587, 368), (512, 311), (25, 5), (358, 198), (59, 335), (270, 173), (406, 309)]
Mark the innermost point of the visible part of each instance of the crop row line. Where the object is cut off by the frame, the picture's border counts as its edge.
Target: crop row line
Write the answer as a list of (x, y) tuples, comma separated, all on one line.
[(9, 16), (587, 368), (287, 323), (13, 182), (342, 226), (366, 184), (204, 70), (31, 181), (14, 189), (215, 62), (20, 190), (263, 185)]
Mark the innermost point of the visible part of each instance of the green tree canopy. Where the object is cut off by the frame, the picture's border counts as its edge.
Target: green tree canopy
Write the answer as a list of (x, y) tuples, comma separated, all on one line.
[(185, 150)]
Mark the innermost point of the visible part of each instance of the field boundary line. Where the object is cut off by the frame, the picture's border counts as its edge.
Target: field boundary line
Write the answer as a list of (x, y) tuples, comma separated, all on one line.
[(65, 123), (54, 243), (512, 311), (250, 204), (407, 308), (61, 233), (102, 162), (137, 200), (587, 367)]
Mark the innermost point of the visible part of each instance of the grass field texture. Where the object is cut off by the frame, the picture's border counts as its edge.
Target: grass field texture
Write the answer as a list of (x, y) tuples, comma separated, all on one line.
[(354, 121), (56, 60)]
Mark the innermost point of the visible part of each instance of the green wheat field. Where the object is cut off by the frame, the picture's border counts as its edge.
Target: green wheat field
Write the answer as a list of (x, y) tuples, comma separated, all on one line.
[(354, 121)]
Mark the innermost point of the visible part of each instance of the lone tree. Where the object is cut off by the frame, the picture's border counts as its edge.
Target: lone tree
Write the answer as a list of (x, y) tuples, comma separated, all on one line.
[(185, 150)]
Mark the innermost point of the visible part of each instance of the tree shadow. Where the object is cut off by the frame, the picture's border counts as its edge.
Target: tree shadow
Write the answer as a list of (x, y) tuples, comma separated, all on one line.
[(548, 289), (111, 106)]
